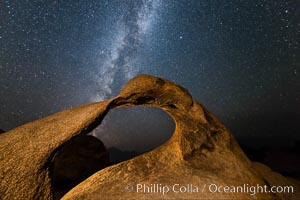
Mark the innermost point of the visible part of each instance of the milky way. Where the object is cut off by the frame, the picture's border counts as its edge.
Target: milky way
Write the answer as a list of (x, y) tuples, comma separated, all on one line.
[(240, 59), (131, 31)]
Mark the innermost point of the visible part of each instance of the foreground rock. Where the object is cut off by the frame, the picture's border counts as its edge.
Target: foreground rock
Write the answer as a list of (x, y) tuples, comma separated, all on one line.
[(77, 160), (200, 152)]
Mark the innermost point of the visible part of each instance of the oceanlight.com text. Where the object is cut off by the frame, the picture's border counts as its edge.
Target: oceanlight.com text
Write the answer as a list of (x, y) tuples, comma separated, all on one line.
[(164, 189)]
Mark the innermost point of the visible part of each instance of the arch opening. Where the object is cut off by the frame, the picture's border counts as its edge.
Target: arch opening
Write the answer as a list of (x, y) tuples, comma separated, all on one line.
[(124, 133), (131, 131)]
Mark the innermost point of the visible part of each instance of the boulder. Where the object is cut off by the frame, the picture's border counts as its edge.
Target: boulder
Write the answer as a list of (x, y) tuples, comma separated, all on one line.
[(77, 160)]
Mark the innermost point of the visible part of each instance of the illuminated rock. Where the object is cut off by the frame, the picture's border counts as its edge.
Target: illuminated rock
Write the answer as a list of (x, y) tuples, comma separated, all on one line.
[(201, 152)]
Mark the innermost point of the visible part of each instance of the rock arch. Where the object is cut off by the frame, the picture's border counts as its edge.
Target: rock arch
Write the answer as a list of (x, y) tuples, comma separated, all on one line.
[(201, 150)]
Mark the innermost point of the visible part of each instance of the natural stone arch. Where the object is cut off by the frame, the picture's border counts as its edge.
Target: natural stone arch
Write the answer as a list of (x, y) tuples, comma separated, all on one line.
[(201, 150), (83, 155)]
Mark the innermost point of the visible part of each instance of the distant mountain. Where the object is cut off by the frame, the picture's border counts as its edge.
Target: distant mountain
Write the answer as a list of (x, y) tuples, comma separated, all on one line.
[(117, 155)]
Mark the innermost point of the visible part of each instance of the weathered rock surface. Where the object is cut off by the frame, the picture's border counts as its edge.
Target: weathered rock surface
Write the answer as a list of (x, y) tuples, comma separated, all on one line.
[(77, 160), (200, 152)]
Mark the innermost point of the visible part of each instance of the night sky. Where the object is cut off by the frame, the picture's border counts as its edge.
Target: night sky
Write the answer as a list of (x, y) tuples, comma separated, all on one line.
[(240, 59)]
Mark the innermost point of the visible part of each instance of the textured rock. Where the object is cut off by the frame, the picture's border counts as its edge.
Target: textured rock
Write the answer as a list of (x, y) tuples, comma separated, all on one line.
[(200, 152), (77, 160)]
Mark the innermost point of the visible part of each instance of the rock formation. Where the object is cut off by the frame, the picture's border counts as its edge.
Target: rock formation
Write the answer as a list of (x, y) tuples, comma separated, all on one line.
[(77, 160), (200, 152), (2, 131)]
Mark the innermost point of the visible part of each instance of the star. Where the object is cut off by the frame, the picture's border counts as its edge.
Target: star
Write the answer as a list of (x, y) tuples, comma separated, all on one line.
[(234, 61)]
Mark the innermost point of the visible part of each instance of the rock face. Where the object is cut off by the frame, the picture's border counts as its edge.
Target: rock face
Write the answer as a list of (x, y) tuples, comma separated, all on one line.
[(201, 152), (77, 160)]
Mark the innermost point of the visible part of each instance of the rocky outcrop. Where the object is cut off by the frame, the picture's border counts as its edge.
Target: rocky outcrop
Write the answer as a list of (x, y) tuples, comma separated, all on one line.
[(201, 152), (77, 160)]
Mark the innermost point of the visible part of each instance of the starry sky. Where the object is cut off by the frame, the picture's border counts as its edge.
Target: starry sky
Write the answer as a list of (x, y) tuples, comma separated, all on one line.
[(240, 59)]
